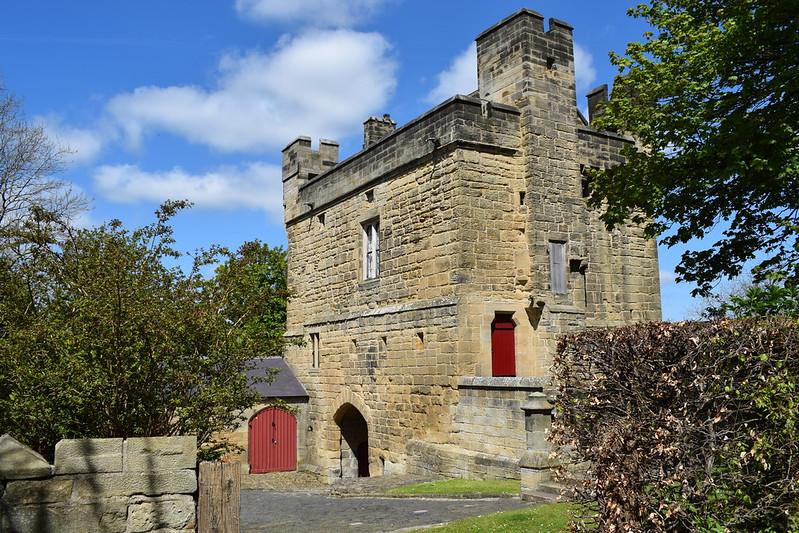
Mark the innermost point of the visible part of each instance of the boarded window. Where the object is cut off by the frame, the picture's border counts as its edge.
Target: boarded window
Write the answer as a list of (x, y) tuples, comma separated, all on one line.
[(503, 346), (557, 266), (371, 249)]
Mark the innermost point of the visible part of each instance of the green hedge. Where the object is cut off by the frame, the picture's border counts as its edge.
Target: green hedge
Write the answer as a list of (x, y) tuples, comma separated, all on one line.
[(687, 426)]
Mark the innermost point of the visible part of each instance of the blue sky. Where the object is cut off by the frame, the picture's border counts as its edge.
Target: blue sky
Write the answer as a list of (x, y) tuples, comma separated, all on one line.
[(195, 98)]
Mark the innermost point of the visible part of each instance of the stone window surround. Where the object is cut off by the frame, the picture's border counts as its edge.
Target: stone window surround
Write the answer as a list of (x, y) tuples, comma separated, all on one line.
[(315, 349), (558, 266), (370, 244), (524, 336)]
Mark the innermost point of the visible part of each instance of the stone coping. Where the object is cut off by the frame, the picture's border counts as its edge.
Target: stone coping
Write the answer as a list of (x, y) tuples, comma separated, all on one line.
[(460, 121), (515, 383), (444, 107)]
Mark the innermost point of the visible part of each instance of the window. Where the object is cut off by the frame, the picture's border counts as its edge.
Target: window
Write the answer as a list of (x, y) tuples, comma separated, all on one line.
[(371, 249), (314, 350), (503, 346), (557, 266)]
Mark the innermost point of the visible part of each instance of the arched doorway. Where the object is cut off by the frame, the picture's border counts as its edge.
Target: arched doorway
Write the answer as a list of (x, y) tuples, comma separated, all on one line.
[(272, 441), (354, 442)]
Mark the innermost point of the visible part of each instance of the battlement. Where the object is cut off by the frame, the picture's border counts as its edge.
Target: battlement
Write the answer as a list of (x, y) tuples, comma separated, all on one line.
[(302, 163), (510, 52), (458, 121)]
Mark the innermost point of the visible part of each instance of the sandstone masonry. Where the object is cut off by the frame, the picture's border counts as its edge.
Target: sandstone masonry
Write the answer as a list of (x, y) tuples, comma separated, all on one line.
[(475, 216), (135, 485)]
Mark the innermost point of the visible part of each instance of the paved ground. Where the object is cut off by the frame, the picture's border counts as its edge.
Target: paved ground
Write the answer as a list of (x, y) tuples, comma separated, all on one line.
[(290, 512)]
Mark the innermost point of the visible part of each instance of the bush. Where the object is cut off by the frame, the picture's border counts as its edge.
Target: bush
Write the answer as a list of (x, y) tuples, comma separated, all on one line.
[(689, 426), (99, 337)]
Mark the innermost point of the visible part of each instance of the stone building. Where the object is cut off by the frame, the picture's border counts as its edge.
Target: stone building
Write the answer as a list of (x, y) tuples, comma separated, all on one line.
[(433, 270)]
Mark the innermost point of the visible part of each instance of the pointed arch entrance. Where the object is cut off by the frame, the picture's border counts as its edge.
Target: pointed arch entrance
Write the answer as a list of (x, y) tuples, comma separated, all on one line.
[(354, 441)]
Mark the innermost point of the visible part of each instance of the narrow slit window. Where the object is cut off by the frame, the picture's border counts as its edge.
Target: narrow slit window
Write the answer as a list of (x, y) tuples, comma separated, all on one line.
[(314, 350), (371, 250), (557, 266)]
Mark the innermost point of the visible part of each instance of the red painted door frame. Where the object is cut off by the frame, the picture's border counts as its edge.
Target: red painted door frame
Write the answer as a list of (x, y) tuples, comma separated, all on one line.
[(272, 441), (503, 346)]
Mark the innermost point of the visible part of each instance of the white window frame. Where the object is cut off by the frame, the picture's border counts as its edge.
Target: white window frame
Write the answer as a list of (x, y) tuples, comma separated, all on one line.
[(371, 249), (314, 350)]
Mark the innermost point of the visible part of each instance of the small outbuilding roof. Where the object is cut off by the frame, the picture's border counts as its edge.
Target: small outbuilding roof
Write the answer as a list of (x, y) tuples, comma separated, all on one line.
[(285, 384)]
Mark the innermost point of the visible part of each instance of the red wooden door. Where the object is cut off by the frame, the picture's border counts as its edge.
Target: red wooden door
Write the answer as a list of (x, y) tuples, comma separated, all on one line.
[(273, 441), (503, 346)]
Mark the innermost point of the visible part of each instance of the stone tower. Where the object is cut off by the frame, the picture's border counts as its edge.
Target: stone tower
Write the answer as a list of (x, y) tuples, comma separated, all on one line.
[(433, 271)]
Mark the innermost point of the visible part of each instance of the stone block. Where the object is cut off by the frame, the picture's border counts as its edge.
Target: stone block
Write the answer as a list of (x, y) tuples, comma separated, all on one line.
[(160, 453), (108, 516), (75, 456), (38, 491), (129, 483), (165, 512), (17, 461)]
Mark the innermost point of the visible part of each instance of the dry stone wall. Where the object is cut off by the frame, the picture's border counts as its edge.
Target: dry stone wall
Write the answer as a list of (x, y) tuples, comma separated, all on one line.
[(134, 485)]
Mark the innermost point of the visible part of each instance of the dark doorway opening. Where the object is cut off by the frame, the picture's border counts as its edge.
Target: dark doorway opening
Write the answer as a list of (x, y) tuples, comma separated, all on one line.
[(354, 458)]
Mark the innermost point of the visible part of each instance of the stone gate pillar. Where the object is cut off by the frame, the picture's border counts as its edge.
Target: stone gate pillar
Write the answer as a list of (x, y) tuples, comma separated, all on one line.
[(536, 464)]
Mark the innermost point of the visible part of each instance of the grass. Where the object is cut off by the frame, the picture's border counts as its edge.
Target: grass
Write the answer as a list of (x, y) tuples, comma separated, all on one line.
[(456, 487), (545, 518)]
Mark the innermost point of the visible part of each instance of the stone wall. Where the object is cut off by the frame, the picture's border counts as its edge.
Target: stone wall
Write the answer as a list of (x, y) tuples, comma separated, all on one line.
[(133, 485), (489, 417)]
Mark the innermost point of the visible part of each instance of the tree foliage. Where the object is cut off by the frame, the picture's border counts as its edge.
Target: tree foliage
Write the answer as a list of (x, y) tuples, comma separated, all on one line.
[(255, 277), (712, 94), (772, 296), (98, 337), (686, 427)]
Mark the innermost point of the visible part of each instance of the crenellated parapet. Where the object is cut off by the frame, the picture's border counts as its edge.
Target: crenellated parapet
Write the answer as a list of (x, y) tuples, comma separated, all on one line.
[(517, 51), (302, 163)]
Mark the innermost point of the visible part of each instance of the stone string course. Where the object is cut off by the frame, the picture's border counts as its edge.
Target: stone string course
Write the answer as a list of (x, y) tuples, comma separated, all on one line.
[(135, 485)]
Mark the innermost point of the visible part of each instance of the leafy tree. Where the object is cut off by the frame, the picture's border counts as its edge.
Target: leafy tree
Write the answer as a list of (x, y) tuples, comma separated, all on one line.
[(712, 94), (772, 296), (256, 277), (99, 338), (28, 161)]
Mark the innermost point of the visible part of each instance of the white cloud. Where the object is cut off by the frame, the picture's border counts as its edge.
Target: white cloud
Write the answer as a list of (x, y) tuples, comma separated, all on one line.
[(584, 70), (667, 277), (461, 75), (319, 13), (255, 186), (84, 145), (322, 84), (459, 78)]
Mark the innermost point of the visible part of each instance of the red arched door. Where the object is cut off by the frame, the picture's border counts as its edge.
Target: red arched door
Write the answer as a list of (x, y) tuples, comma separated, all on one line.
[(273, 441)]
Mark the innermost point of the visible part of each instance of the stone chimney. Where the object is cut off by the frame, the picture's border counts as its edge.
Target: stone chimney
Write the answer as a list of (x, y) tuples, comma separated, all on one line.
[(375, 128), (596, 100)]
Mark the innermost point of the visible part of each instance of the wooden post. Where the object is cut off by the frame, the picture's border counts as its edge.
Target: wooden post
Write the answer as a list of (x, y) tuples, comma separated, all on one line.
[(220, 498)]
